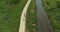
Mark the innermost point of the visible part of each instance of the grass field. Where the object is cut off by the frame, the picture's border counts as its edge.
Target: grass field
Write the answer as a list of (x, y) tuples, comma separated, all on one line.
[(10, 11), (52, 8), (31, 18)]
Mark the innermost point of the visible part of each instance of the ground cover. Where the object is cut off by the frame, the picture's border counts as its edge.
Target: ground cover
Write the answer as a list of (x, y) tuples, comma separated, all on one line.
[(52, 7), (10, 11), (31, 23)]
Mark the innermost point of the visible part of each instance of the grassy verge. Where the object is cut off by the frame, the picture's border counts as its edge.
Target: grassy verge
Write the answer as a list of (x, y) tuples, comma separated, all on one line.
[(31, 17), (52, 8), (10, 11)]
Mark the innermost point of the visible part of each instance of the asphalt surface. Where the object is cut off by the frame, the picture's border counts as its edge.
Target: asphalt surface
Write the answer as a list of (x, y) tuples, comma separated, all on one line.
[(43, 21)]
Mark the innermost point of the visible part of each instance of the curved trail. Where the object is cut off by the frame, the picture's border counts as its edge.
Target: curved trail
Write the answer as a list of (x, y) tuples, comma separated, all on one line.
[(23, 18), (43, 21)]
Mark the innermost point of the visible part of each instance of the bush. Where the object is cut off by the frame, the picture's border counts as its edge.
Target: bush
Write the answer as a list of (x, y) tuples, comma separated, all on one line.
[(58, 4), (13, 1)]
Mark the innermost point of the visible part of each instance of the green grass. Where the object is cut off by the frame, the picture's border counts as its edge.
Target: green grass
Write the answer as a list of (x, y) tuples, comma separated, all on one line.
[(10, 11), (31, 17), (52, 8)]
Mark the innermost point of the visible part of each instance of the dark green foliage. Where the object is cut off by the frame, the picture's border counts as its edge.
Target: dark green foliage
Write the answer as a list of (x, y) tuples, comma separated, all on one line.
[(48, 3), (31, 17), (58, 4), (10, 15), (14, 2), (52, 7), (58, 17)]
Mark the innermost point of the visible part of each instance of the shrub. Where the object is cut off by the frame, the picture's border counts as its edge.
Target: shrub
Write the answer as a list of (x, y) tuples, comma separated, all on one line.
[(58, 4)]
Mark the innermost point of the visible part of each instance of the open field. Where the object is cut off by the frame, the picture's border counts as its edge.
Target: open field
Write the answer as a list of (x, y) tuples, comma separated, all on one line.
[(52, 8), (31, 18), (10, 11)]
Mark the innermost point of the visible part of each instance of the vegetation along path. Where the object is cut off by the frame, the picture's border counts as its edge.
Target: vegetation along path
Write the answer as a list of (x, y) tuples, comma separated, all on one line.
[(23, 18)]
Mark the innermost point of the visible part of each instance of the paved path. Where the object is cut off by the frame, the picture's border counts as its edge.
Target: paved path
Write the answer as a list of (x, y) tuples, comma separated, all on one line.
[(23, 18), (43, 21)]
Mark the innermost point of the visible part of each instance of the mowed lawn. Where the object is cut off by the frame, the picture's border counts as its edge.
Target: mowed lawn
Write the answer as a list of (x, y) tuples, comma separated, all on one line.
[(52, 7), (31, 23), (10, 11)]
